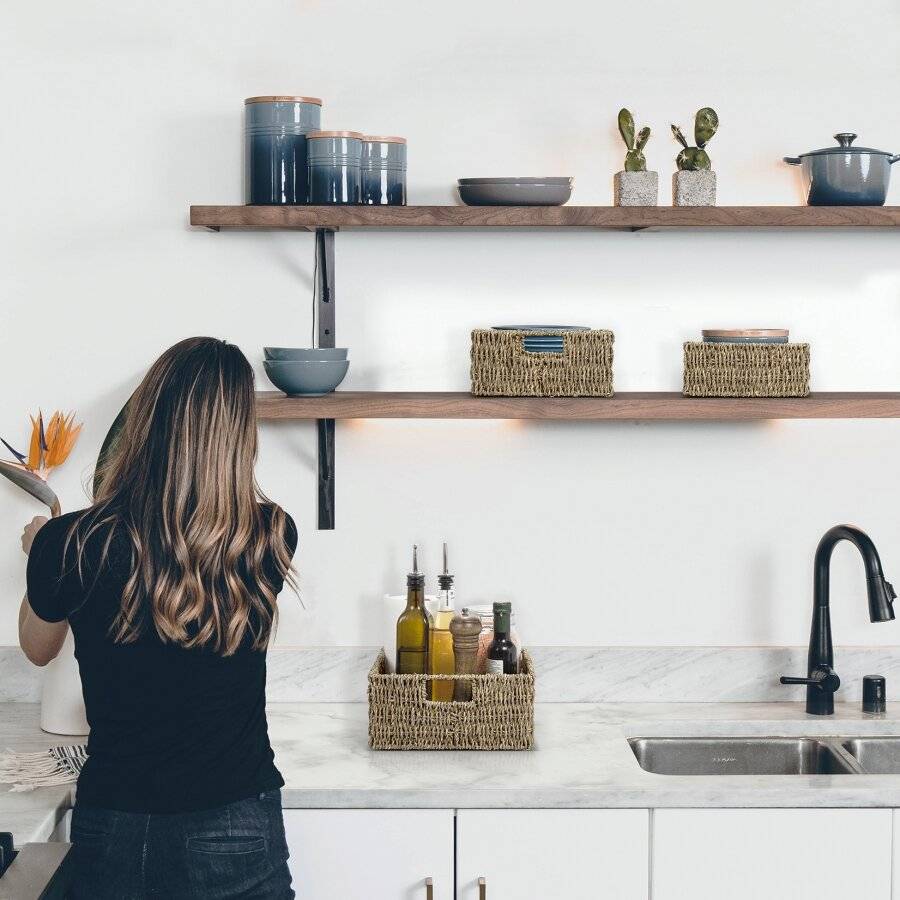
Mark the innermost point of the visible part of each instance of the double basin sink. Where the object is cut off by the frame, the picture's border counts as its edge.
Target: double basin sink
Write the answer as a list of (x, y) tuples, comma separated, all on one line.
[(769, 755)]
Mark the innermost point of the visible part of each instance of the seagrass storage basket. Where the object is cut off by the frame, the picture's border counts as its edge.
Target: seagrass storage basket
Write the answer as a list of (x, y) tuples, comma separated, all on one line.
[(500, 715), (502, 367), (745, 370)]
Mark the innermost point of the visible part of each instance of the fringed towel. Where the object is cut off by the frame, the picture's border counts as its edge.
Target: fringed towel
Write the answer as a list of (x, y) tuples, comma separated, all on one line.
[(27, 771)]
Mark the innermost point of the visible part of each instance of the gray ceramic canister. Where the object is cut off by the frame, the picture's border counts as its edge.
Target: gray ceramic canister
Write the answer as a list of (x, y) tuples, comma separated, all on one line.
[(275, 130), (384, 170), (334, 166), (845, 175)]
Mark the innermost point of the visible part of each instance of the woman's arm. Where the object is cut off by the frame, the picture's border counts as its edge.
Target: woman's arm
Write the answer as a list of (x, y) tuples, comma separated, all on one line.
[(40, 641)]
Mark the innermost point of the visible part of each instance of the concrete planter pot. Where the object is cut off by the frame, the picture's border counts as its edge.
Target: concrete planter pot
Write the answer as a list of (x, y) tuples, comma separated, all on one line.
[(694, 188), (636, 188)]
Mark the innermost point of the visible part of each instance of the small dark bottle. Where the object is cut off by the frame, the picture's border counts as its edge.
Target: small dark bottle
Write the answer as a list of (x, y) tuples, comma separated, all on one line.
[(874, 694), (502, 656)]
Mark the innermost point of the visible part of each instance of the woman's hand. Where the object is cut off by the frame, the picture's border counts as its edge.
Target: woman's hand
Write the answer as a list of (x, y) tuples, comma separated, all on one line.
[(31, 529)]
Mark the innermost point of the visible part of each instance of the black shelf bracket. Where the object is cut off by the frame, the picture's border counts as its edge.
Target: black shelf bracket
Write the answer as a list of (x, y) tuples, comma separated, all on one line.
[(324, 313)]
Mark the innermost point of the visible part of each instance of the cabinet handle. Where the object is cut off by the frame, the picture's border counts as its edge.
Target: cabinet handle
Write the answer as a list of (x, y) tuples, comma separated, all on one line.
[(429, 889), (482, 889)]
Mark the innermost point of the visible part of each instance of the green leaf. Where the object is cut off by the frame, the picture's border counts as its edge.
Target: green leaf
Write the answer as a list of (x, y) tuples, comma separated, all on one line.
[(28, 481), (705, 126), (626, 127), (642, 138), (635, 161), (679, 136), (692, 159)]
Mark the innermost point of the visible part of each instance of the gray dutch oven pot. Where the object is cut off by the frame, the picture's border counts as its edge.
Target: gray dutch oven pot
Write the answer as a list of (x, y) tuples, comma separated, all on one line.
[(845, 175)]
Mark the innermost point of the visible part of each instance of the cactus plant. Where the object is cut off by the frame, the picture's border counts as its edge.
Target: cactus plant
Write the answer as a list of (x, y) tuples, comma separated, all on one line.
[(696, 159), (634, 158)]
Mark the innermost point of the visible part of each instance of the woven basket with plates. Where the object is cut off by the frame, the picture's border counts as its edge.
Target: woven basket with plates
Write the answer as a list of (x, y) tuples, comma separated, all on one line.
[(504, 365), (745, 370)]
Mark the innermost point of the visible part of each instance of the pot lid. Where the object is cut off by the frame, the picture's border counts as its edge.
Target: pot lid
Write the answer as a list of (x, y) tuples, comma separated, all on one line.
[(844, 139)]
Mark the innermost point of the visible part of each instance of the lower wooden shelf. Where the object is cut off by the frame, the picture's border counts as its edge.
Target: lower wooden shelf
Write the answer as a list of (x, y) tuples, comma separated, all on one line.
[(657, 405)]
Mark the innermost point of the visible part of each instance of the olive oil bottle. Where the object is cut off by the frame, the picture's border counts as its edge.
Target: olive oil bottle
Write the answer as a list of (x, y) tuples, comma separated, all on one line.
[(440, 651), (412, 626)]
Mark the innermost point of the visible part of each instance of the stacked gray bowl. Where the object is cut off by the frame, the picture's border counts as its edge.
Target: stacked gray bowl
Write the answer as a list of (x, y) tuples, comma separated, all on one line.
[(305, 371)]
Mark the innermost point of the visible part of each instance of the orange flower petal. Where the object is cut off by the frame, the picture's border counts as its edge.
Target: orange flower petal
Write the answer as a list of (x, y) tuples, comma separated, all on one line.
[(34, 447)]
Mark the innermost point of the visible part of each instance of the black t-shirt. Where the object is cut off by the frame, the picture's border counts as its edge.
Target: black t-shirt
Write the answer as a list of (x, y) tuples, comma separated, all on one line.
[(172, 730)]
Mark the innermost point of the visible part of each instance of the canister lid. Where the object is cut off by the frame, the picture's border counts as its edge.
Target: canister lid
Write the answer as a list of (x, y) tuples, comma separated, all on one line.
[(383, 138), (845, 139), (278, 98), (335, 134)]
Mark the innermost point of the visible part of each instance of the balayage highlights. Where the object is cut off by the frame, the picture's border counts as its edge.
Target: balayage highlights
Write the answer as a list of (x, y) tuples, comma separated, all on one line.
[(206, 555)]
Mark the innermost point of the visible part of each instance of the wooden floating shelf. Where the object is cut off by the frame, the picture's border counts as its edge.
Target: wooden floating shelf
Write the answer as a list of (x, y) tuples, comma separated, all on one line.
[(309, 218), (659, 406)]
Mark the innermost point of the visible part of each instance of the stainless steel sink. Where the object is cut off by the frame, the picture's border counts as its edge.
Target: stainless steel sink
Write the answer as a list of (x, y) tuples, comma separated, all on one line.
[(745, 756), (876, 755)]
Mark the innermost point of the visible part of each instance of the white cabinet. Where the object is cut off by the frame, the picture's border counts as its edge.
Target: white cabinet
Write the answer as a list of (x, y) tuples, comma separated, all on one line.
[(337, 854), (748, 854), (579, 854)]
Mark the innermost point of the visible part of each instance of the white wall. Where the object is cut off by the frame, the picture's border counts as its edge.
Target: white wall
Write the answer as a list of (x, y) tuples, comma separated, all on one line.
[(119, 115)]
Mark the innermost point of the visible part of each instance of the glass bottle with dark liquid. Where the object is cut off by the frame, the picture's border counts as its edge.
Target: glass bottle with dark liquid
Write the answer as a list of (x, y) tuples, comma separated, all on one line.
[(502, 657), (412, 626)]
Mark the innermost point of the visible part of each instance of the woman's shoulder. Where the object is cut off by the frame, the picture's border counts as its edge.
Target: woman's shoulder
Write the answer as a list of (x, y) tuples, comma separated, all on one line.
[(54, 532), (273, 512)]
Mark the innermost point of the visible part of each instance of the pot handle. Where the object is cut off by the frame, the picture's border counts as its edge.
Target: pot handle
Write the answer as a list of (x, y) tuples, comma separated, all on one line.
[(792, 160)]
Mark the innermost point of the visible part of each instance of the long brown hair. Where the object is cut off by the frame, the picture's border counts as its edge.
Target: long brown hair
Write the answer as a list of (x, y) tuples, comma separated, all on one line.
[(207, 554)]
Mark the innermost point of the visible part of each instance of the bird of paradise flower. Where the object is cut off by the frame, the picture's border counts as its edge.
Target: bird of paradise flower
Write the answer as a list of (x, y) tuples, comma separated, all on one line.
[(48, 449)]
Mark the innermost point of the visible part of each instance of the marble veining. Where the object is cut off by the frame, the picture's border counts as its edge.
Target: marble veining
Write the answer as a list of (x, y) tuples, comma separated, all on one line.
[(564, 674), (582, 760)]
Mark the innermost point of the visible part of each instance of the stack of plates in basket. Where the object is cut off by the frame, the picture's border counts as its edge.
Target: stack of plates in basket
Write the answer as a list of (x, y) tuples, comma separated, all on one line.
[(745, 336), (306, 371), (542, 343), (547, 191)]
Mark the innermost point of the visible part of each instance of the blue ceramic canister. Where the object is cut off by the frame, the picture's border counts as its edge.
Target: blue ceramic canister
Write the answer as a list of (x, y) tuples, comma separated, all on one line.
[(384, 170), (275, 130), (334, 166)]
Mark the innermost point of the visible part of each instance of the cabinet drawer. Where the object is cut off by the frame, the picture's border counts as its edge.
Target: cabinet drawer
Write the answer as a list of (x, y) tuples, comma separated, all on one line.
[(747, 854), (378, 854), (576, 854)]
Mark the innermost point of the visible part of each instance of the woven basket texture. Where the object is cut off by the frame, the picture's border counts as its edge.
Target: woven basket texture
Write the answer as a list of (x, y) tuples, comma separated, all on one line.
[(500, 715), (501, 367), (746, 370)]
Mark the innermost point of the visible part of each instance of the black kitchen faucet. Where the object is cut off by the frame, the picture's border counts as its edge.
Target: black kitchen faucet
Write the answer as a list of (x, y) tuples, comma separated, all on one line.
[(822, 681)]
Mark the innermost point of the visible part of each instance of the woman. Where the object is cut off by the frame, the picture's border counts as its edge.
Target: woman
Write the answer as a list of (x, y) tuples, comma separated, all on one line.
[(169, 583)]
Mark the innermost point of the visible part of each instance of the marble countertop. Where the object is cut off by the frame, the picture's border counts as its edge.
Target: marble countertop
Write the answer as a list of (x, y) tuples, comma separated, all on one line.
[(581, 760), (30, 816)]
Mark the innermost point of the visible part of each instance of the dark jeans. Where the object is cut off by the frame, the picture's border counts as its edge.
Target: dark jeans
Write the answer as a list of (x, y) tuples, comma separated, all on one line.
[(235, 851)]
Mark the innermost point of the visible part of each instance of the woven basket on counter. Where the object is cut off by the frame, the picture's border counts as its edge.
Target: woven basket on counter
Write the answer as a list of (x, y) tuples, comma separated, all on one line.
[(500, 715), (502, 367), (746, 370)]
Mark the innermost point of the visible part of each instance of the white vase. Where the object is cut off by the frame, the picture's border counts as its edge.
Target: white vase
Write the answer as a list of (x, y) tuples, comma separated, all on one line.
[(62, 702)]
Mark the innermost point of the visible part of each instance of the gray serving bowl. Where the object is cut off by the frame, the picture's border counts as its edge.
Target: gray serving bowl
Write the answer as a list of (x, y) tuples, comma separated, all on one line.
[(311, 353), (305, 377), (519, 193)]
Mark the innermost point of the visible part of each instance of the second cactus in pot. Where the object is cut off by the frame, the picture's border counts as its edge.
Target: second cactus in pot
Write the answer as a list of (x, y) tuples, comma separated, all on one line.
[(694, 183)]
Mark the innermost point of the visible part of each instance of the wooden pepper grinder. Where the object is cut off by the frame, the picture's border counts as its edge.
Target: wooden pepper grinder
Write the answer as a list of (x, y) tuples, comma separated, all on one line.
[(466, 630)]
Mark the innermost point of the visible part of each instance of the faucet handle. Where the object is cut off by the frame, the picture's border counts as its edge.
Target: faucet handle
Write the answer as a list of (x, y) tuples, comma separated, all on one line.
[(822, 677)]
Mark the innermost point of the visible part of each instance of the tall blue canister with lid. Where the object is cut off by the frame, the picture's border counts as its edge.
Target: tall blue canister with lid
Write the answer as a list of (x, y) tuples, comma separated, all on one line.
[(334, 166), (384, 170), (275, 130)]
